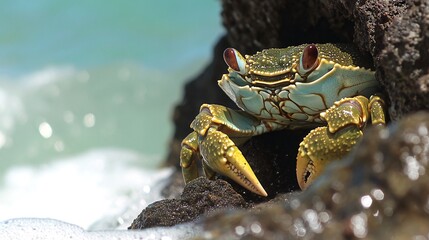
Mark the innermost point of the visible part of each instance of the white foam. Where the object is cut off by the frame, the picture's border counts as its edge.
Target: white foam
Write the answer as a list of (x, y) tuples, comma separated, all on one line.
[(32, 229), (82, 189), (47, 76)]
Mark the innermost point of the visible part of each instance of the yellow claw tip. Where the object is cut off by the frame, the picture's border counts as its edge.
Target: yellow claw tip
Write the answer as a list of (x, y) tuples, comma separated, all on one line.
[(239, 170), (261, 191)]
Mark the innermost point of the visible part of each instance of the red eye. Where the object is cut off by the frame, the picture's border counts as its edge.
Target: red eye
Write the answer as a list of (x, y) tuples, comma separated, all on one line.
[(234, 60), (309, 58), (230, 58)]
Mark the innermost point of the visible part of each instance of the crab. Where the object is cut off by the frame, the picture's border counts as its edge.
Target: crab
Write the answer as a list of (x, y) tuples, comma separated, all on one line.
[(327, 87)]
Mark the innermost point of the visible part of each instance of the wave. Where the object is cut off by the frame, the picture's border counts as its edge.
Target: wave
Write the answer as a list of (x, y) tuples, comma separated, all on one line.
[(82, 188)]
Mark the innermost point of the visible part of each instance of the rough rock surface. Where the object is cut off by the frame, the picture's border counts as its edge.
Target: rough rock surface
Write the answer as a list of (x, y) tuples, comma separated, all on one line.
[(200, 196), (395, 33), (380, 191)]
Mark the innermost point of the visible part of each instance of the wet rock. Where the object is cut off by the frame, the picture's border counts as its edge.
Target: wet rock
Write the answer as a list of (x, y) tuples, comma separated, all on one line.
[(199, 197), (380, 191)]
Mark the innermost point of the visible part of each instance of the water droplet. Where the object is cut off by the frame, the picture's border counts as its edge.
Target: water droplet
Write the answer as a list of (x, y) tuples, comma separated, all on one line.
[(239, 230), (377, 194), (359, 225), (256, 228), (313, 220), (423, 130), (366, 201), (89, 120), (45, 130), (146, 189), (324, 217), (412, 138), (299, 228), (336, 198), (295, 203), (413, 169), (59, 146), (417, 149), (384, 133)]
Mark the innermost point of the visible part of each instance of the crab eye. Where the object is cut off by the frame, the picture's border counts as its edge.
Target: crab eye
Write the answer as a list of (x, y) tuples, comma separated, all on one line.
[(234, 60), (309, 59)]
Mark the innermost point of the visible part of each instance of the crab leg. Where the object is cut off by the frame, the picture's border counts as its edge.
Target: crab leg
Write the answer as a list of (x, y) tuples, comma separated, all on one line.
[(213, 127), (322, 145), (188, 154)]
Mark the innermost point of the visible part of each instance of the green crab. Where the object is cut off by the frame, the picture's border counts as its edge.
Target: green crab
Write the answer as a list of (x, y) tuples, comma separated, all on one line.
[(320, 86)]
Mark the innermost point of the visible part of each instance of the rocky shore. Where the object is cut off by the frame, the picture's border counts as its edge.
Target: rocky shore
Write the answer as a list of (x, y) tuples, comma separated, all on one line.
[(383, 184)]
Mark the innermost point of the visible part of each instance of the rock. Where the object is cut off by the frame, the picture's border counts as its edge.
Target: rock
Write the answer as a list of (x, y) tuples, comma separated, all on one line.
[(253, 25), (394, 32), (380, 191), (200, 196)]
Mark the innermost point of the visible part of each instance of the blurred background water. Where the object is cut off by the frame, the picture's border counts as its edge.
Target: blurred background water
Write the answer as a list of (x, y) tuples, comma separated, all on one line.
[(86, 94)]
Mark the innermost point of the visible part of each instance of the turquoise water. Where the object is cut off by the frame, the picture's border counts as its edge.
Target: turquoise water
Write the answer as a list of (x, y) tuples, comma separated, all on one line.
[(87, 90), (75, 76)]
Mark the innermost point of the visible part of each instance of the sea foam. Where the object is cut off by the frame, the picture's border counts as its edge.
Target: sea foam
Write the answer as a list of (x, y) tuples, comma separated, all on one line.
[(106, 186), (36, 228)]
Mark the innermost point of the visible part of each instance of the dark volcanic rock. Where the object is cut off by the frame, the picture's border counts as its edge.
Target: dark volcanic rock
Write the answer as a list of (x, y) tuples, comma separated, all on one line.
[(254, 25), (199, 197), (403, 63), (395, 33), (380, 191)]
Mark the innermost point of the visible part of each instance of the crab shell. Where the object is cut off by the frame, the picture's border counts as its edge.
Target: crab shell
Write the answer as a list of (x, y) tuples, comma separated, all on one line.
[(274, 84)]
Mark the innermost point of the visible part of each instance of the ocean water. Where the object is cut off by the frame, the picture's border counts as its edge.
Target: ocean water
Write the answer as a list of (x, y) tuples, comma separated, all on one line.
[(86, 96)]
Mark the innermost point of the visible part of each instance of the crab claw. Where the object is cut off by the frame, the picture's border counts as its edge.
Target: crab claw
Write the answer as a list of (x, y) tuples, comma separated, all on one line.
[(319, 148), (222, 156)]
